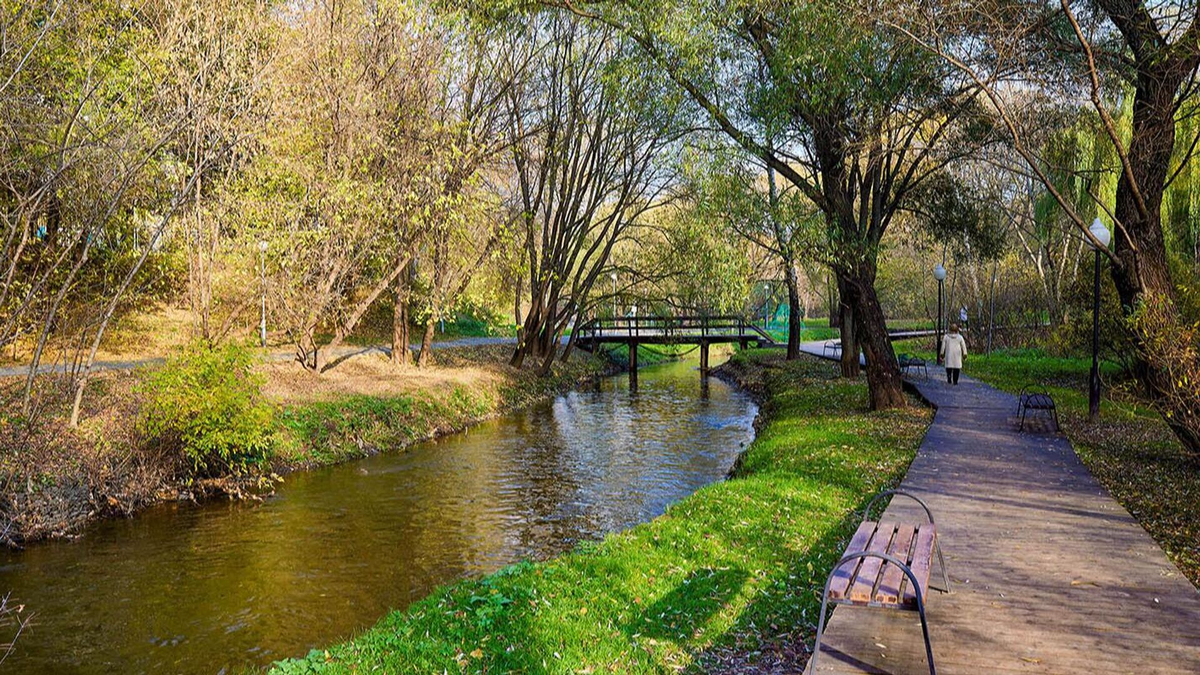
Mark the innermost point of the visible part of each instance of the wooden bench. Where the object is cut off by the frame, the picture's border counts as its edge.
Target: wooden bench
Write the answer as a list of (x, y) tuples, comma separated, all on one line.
[(1036, 397), (886, 565), (831, 345), (907, 361)]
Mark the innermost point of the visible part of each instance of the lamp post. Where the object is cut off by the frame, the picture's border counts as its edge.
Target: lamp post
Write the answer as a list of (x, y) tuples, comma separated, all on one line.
[(1102, 236), (613, 276), (939, 273), (262, 270), (766, 306)]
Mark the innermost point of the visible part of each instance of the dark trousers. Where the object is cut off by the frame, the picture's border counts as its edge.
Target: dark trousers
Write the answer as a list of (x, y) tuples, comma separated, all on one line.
[(952, 375)]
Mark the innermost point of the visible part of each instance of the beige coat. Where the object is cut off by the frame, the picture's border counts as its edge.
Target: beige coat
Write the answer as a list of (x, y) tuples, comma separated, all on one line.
[(954, 348)]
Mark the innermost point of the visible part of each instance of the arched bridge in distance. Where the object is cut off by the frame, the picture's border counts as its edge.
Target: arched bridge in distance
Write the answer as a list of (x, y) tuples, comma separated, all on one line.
[(669, 330)]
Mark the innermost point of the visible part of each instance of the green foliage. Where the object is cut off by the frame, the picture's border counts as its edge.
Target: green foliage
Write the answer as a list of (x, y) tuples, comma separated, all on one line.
[(956, 214), (356, 425), (707, 271), (722, 567), (206, 401), (1074, 336)]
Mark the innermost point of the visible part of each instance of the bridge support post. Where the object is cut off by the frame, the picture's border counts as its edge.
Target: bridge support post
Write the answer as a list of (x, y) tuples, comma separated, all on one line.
[(703, 357), (633, 366)]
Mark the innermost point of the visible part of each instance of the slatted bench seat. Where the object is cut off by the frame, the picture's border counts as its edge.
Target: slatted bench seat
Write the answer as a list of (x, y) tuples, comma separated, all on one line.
[(1037, 398), (886, 565), (834, 346)]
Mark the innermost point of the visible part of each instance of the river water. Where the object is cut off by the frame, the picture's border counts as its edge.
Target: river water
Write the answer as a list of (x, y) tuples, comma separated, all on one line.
[(223, 586)]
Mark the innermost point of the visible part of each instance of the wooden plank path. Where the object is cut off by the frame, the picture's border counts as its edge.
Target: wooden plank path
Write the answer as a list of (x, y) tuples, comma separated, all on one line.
[(1050, 574)]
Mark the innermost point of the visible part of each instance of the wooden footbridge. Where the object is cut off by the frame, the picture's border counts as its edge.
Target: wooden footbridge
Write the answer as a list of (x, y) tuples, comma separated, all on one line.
[(669, 330)]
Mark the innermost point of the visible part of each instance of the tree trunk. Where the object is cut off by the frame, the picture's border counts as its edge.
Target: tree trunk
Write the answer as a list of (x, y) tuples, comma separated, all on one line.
[(884, 381), (306, 349), (426, 356), (401, 356), (850, 365), (1141, 274), (795, 312)]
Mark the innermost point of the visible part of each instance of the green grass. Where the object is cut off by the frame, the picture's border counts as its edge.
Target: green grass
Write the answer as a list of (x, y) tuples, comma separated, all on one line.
[(326, 432), (818, 329), (740, 562), (1130, 450)]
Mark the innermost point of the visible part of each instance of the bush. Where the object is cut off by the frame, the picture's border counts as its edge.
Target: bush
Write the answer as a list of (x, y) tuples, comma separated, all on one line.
[(207, 402)]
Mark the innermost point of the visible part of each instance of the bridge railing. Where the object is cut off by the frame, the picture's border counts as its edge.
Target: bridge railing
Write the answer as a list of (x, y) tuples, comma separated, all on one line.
[(693, 327)]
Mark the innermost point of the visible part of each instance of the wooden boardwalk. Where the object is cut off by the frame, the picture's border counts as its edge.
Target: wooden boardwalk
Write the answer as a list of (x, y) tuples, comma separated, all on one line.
[(1049, 573)]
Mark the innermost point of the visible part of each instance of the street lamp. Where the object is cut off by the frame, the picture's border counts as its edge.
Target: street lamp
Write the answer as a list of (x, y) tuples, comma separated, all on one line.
[(939, 273), (262, 270), (1102, 236), (766, 306), (613, 276)]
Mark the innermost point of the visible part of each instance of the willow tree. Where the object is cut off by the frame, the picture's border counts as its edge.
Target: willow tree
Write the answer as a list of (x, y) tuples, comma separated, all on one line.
[(841, 107)]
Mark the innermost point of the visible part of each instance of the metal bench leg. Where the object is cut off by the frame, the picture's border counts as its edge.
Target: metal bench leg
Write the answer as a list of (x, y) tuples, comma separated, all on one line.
[(1057, 427), (925, 630), (912, 578), (937, 543), (812, 662), (1024, 410)]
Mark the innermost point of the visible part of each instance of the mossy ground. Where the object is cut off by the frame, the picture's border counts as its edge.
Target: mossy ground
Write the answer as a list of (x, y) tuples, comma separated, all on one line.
[(736, 566)]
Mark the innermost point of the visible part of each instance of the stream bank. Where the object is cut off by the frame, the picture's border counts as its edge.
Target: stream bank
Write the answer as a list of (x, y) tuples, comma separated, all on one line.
[(225, 586), (725, 579), (55, 479)]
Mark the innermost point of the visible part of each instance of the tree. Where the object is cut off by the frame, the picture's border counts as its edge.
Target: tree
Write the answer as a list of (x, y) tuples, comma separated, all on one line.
[(837, 104), (781, 222), (1106, 51), (587, 134)]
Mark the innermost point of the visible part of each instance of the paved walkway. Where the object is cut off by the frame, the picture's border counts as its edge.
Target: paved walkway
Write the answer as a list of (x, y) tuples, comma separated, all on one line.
[(1049, 573)]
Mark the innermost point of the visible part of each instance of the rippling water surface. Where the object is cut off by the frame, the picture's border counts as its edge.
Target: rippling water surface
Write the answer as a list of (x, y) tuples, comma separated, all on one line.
[(212, 588)]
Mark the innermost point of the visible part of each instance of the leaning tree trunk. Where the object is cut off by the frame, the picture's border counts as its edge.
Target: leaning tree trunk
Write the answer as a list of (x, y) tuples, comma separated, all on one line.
[(884, 381), (1166, 358), (528, 334), (795, 314), (425, 357)]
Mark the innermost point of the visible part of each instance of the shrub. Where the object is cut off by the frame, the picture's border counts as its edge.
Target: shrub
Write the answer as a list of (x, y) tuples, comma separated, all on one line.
[(207, 402)]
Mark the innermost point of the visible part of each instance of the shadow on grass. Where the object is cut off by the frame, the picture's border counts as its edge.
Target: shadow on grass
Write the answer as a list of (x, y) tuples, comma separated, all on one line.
[(689, 606)]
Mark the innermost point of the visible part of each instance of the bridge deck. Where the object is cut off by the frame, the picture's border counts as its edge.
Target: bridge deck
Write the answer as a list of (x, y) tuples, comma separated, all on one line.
[(670, 330)]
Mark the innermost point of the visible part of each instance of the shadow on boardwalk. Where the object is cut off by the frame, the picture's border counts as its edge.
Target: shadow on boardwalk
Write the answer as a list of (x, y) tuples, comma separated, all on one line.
[(1050, 574)]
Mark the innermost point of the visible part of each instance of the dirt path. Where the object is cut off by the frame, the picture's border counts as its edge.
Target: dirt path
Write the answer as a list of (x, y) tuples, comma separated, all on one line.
[(274, 355)]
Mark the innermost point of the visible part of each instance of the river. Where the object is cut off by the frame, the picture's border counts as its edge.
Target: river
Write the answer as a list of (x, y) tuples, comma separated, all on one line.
[(225, 585)]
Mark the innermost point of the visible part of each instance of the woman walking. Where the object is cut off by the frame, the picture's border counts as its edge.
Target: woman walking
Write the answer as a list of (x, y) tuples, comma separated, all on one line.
[(954, 350)]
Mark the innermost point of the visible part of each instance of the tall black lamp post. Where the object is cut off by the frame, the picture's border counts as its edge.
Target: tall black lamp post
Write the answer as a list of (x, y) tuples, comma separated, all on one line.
[(939, 273), (1102, 236)]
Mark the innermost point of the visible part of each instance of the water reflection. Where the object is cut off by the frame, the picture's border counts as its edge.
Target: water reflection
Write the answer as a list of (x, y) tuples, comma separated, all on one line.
[(205, 589)]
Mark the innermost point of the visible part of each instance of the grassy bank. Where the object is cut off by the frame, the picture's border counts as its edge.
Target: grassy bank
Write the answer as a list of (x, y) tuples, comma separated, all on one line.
[(343, 422), (732, 570), (1129, 449), (54, 478)]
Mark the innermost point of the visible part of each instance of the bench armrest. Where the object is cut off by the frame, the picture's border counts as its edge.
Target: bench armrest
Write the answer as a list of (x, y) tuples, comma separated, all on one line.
[(902, 493)]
